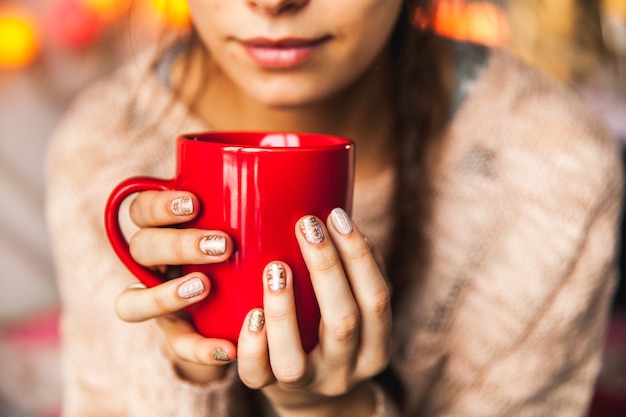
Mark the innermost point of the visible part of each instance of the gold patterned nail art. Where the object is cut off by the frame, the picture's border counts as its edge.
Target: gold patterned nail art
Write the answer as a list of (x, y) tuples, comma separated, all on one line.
[(276, 277), (220, 355), (181, 206), (312, 230), (257, 321), (214, 245)]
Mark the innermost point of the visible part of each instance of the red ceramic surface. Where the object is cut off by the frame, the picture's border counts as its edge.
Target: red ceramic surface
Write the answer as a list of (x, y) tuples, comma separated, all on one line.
[(253, 186)]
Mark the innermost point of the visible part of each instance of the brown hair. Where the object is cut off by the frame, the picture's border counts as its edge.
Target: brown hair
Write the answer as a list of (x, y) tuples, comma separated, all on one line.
[(421, 89)]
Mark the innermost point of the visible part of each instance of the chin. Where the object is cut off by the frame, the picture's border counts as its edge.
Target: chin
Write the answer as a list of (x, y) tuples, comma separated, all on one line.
[(290, 97), (287, 103)]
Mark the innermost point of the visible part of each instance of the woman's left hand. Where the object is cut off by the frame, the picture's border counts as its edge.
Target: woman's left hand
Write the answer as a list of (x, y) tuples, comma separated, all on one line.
[(355, 328)]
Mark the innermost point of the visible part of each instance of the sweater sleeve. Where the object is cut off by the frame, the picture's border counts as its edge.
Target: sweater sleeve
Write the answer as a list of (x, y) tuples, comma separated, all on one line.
[(112, 368)]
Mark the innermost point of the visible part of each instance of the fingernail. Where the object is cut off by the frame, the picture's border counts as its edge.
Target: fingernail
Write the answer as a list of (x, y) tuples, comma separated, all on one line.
[(257, 321), (312, 230), (276, 277), (137, 286), (220, 355), (181, 206), (191, 288), (214, 245), (341, 221)]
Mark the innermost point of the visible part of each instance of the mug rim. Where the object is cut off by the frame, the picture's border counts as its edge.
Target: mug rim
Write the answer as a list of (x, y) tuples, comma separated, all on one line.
[(209, 137)]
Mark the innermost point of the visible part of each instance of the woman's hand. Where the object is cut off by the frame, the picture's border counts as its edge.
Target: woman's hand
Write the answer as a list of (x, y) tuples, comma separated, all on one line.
[(355, 326), (196, 358)]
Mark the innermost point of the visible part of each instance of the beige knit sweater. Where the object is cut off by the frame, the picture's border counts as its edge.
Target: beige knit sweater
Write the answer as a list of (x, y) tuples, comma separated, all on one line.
[(506, 319)]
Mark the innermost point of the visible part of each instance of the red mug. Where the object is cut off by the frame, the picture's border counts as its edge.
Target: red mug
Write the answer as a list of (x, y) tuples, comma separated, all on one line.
[(253, 186)]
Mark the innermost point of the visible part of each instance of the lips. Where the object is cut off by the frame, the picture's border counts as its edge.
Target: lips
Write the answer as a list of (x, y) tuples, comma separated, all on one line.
[(283, 53)]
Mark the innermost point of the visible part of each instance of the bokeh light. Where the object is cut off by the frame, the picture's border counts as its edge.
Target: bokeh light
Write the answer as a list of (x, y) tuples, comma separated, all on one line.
[(175, 12), (73, 24), (616, 6), (478, 21), (108, 10), (19, 38)]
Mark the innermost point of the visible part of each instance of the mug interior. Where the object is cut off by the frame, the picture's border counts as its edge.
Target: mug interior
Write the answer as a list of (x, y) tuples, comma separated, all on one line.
[(269, 139)]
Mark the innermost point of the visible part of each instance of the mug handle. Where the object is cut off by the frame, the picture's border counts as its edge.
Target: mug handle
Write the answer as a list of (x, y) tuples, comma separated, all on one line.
[(114, 231)]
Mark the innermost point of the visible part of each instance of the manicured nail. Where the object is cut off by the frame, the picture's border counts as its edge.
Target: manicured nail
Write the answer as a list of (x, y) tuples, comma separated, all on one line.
[(214, 245), (276, 277), (257, 321), (181, 206), (191, 288), (312, 230), (341, 221), (220, 355)]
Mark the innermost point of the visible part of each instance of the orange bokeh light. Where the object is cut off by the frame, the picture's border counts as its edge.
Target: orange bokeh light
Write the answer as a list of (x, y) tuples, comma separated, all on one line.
[(108, 10), (19, 38), (175, 12), (479, 21)]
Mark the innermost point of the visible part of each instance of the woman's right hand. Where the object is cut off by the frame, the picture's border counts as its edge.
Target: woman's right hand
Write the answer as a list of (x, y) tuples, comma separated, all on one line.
[(158, 245)]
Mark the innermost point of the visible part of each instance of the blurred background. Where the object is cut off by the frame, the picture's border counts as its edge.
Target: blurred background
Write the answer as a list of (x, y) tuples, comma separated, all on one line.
[(51, 49)]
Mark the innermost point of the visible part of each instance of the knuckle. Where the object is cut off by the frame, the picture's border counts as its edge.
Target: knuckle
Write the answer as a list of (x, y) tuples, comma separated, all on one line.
[(374, 362), (135, 246), (294, 375), (142, 213), (345, 329), (254, 382), (339, 387), (379, 305), (121, 310), (378, 363), (198, 350), (178, 244), (361, 252), (160, 301), (277, 314), (327, 264), (177, 347), (185, 349), (134, 210)]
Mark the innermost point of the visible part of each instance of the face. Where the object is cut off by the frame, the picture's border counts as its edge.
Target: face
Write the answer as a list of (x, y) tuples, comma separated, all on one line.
[(288, 53)]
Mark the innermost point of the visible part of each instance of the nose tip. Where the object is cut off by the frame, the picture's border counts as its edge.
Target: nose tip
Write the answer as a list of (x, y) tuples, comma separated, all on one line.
[(276, 7)]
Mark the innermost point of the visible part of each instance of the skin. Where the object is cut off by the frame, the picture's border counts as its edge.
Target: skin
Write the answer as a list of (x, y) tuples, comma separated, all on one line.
[(334, 92)]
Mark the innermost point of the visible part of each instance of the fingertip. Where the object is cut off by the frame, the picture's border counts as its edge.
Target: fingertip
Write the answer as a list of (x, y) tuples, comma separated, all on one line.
[(253, 353), (124, 302)]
